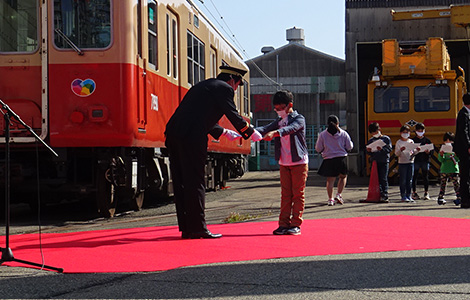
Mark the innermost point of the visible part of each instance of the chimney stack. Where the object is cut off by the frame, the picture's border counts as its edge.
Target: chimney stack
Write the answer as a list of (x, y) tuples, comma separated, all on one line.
[(295, 35)]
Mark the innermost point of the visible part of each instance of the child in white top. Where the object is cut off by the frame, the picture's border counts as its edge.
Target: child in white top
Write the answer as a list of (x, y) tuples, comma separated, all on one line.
[(405, 155)]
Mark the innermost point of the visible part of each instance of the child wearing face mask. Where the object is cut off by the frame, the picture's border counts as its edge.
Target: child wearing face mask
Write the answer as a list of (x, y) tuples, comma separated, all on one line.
[(421, 161), (290, 149), (449, 170), (405, 163), (381, 156)]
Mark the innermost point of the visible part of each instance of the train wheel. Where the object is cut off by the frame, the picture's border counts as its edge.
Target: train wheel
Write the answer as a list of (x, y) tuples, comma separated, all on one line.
[(105, 196), (137, 201)]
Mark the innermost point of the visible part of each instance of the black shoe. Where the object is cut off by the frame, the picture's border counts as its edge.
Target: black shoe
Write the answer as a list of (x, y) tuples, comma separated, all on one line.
[(185, 235), (203, 235), (280, 230)]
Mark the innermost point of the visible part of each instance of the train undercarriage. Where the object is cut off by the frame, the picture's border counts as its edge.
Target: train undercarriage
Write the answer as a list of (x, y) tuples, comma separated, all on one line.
[(107, 179)]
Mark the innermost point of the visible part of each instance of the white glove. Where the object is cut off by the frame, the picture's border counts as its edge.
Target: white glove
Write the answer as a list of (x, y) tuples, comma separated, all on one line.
[(256, 136), (231, 135)]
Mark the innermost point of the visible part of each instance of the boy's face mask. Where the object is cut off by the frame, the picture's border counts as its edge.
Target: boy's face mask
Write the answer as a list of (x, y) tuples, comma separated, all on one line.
[(282, 110), (405, 135), (281, 113), (377, 135), (420, 133)]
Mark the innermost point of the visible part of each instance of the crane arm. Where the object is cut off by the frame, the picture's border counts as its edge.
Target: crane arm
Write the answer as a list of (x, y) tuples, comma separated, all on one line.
[(459, 14), (420, 14)]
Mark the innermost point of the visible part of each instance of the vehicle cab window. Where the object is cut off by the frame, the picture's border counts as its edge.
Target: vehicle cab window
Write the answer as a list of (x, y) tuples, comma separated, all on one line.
[(391, 99), (18, 26), (432, 98), (82, 24)]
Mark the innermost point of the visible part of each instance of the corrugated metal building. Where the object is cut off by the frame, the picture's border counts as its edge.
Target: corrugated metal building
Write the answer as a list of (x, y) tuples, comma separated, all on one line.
[(368, 22), (316, 79)]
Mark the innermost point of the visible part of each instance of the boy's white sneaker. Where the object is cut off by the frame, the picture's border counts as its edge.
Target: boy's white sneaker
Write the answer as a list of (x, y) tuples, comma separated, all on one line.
[(331, 202), (426, 196), (293, 231)]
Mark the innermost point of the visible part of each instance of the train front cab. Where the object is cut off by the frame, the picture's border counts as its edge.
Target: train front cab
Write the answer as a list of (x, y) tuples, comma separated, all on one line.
[(393, 103)]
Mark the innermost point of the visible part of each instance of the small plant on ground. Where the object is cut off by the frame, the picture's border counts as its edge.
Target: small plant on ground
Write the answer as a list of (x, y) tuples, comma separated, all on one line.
[(237, 217)]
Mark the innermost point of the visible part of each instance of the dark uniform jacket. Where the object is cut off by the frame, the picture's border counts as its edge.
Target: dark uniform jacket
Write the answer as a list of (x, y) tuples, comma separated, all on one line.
[(200, 110), (462, 134)]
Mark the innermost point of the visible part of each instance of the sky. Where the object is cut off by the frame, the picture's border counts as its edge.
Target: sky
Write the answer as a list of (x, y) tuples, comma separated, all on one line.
[(259, 23)]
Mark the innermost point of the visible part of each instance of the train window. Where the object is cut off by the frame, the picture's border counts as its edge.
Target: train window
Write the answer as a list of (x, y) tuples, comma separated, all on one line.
[(246, 98), (238, 98), (213, 63), (196, 21), (84, 24), (168, 45), (190, 58), (432, 98), (196, 60), (19, 26), (175, 49), (391, 99), (152, 34), (172, 45), (139, 28)]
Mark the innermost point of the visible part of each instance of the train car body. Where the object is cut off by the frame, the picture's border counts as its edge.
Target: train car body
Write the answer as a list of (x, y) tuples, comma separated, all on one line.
[(98, 80), (416, 85)]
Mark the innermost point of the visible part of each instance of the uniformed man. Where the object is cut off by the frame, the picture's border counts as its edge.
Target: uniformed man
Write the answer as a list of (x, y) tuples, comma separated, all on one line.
[(186, 139)]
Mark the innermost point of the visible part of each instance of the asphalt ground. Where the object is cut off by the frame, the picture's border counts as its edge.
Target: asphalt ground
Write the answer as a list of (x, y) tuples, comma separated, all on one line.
[(418, 274)]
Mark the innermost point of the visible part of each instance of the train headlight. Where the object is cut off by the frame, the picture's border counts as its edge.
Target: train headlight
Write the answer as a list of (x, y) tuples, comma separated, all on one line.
[(77, 117)]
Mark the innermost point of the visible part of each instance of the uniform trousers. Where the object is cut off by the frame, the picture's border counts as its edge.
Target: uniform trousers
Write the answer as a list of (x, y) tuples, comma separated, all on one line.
[(293, 180), (187, 166), (464, 167)]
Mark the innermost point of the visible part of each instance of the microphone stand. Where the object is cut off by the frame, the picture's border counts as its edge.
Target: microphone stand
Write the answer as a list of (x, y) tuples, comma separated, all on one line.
[(7, 254)]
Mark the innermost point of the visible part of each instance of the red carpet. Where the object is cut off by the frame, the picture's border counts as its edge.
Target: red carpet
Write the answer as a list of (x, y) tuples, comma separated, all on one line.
[(161, 248)]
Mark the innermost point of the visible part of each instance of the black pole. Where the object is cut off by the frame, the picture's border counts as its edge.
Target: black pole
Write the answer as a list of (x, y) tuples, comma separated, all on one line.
[(7, 179), (7, 254)]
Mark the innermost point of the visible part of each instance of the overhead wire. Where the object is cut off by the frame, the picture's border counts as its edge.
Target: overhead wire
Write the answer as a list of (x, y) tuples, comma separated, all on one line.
[(237, 43), (233, 37)]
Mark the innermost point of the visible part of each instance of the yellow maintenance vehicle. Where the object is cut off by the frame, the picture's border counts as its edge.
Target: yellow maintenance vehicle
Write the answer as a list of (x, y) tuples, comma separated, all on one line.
[(415, 85)]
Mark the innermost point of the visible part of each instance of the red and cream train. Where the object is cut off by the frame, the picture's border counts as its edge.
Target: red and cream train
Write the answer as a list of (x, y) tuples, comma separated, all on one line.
[(98, 81)]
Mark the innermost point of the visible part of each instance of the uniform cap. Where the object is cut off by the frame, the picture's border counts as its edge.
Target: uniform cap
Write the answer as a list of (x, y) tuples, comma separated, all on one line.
[(233, 71)]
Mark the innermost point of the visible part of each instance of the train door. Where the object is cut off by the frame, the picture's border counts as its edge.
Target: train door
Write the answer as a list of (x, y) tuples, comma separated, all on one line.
[(23, 66), (141, 66), (172, 53), (148, 58)]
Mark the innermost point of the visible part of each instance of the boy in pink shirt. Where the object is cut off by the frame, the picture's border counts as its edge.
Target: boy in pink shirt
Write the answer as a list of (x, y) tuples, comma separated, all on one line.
[(290, 149)]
